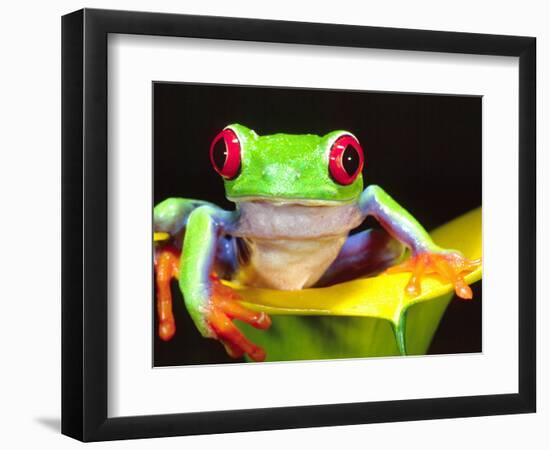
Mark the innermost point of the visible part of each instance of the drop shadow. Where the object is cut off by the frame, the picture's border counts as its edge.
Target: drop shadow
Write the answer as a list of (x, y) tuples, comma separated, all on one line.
[(52, 423)]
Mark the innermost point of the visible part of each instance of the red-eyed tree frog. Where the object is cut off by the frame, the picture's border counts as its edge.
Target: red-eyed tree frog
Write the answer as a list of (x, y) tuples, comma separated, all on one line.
[(297, 198)]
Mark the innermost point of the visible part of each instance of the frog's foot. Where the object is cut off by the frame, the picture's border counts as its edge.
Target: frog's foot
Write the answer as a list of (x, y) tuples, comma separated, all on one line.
[(222, 309), (449, 265), (167, 262)]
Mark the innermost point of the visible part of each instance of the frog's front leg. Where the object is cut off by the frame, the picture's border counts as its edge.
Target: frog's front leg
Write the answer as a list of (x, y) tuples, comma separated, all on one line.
[(212, 305), (426, 257), (169, 220)]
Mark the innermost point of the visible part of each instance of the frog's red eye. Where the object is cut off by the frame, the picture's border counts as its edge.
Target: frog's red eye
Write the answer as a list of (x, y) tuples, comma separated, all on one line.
[(225, 154), (345, 159)]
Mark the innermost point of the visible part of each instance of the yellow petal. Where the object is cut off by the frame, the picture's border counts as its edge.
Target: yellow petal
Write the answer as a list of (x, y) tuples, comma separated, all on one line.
[(160, 236)]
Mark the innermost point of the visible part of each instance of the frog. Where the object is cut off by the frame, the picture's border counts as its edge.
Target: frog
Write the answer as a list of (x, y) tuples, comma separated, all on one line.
[(297, 199)]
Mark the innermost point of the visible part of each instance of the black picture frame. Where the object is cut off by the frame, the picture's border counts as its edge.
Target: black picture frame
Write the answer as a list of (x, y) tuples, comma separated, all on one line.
[(84, 224)]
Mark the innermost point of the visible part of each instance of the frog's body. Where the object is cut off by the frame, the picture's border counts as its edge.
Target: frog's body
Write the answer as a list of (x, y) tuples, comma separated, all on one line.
[(297, 199)]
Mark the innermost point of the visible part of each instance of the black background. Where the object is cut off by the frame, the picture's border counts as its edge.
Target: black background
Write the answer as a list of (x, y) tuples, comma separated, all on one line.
[(424, 150)]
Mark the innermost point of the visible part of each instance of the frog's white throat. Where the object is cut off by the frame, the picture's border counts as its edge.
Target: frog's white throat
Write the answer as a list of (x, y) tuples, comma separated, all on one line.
[(296, 220), (291, 245)]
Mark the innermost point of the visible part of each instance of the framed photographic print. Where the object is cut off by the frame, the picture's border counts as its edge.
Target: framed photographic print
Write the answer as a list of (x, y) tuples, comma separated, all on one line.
[(266, 224), (332, 319)]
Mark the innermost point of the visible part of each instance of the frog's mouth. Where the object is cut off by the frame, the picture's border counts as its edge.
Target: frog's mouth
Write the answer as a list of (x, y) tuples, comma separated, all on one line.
[(295, 219), (289, 201)]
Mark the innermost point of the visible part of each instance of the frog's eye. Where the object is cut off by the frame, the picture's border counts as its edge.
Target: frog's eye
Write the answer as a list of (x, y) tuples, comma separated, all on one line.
[(345, 159), (225, 154)]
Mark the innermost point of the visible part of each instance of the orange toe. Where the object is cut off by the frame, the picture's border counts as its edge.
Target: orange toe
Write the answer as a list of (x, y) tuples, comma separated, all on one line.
[(223, 309), (451, 266)]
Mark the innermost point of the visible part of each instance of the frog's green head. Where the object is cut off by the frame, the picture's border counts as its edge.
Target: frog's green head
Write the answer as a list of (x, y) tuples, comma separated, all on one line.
[(286, 167)]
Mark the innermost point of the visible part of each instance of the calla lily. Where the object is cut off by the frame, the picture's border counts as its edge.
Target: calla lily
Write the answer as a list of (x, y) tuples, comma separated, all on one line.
[(364, 317)]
